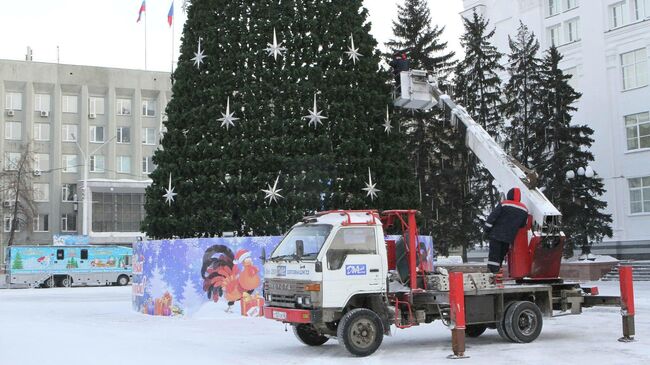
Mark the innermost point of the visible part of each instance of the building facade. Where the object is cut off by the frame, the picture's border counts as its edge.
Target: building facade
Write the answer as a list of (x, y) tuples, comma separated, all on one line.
[(86, 126), (606, 44)]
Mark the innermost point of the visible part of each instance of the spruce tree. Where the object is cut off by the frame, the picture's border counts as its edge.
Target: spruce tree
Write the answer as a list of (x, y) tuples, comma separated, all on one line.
[(477, 87), (432, 143), (565, 147), (522, 101), (219, 169)]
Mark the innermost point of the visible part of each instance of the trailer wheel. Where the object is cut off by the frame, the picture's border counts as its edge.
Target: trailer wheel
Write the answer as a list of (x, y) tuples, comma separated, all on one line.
[(360, 331), (523, 322), (122, 280), (475, 330), (65, 281), (308, 335), (49, 282), (501, 324)]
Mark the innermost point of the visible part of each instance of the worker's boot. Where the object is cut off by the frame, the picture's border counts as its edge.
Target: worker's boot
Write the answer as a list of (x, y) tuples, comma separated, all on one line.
[(498, 277)]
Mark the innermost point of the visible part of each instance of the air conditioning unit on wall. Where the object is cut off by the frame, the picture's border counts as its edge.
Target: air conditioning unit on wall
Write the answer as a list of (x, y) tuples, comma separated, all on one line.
[(92, 116), (7, 204), (45, 113), (11, 113)]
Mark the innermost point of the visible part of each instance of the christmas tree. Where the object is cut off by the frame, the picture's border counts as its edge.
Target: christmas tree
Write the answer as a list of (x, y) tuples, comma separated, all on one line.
[(431, 143), (191, 298), (239, 152), (477, 87), (522, 101), (564, 149), (157, 286), (18, 262)]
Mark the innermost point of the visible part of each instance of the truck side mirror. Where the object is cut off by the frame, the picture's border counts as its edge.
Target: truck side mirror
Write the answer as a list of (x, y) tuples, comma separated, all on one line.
[(263, 255), (300, 248)]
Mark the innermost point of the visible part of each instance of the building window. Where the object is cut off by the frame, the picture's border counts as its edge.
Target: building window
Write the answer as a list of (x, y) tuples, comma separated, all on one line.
[(639, 195), (69, 132), (12, 159), (640, 9), (41, 223), (148, 165), (14, 131), (69, 103), (637, 128), (41, 132), (42, 103), (114, 212), (571, 30), (618, 14), (123, 106), (96, 134), (97, 163), (554, 7), (69, 222), (41, 192), (95, 105), (41, 162), (571, 4), (149, 136), (14, 101), (554, 35), (573, 73), (635, 69), (123, 135), (8, 222), (70, 163), (124, 164), (68, 192), (149, 108)]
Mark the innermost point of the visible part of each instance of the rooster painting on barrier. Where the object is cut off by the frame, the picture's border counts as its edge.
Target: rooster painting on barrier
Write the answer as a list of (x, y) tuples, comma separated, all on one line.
[(223, 276)]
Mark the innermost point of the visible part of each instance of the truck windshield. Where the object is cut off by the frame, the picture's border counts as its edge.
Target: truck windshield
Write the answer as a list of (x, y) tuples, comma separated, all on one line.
[(312, 237)]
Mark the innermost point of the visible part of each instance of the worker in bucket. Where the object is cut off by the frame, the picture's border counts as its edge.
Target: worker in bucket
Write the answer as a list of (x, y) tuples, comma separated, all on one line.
[(399, 63), (502, 225)]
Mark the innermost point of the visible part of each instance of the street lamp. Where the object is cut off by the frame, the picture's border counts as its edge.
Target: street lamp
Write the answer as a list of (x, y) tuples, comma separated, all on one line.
[(587, 172), (84, 196)]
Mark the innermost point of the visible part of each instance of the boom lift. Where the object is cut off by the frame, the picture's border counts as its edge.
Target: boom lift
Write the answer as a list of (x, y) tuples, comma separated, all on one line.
[(334, 274)]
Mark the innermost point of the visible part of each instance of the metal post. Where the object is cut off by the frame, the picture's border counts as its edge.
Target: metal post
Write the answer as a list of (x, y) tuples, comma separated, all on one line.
[(627, 303), (457, 315), (412, 248)]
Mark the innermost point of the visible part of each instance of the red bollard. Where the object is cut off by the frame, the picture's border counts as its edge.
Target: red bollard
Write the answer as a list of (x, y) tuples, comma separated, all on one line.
[(457, 314), (627, 303)]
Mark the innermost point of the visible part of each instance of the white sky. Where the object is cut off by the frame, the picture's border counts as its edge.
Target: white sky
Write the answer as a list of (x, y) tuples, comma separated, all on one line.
[(105, 32)]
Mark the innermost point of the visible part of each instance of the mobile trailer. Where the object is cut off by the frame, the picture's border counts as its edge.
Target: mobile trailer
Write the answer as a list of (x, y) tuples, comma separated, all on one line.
[(49, 266)]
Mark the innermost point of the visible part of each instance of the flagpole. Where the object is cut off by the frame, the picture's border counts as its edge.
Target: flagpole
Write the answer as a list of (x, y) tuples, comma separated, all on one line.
[(173, 33), (145, 39)]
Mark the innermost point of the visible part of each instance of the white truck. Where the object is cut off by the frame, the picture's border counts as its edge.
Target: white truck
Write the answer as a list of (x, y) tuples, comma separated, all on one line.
[(334, 274)]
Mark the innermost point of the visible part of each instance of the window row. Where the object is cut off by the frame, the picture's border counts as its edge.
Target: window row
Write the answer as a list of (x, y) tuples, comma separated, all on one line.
[(564, 33), (555, 7), (70, 163), (69, 132), (628, 11), (70, 104), (41, 223)]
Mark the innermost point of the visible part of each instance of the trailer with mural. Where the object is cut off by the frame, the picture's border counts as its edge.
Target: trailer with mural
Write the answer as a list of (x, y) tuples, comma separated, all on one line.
[(50, 266)]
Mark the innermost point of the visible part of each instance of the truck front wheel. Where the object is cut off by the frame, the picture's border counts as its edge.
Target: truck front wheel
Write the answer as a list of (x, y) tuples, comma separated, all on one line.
[(361, 331), (308, 335)]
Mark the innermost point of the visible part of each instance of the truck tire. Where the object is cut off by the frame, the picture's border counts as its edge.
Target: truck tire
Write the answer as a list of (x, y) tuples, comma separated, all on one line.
[(49, 282), (308, 335), (360, 331), (501, 324), (122, 280), (65, 281), (523, 322), (475, 330)]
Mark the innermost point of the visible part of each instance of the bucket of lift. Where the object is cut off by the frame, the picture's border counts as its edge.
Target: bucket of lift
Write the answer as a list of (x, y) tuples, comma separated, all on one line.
[(415, 91), (538, 258)]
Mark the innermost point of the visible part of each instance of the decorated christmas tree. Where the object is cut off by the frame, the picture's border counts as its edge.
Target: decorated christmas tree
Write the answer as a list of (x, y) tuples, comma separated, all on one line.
[(18, 262), (277, 112)]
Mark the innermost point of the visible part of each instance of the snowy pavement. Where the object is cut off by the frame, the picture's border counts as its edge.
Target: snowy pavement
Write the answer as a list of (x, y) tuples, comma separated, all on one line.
[(96, 326)]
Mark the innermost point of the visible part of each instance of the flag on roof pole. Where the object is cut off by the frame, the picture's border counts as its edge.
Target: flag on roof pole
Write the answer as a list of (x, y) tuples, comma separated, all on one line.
[(142, 9), (170, 15)]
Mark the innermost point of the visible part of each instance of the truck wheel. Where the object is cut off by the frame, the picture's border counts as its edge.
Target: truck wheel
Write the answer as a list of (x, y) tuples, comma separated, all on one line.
[(523, 322), (475, 330), (360, 331), (122, 280), (308, 335), (501, 324)]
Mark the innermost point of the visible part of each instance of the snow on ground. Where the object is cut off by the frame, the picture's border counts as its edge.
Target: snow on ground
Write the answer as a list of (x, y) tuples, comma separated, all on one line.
[(96, 326)]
